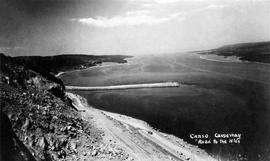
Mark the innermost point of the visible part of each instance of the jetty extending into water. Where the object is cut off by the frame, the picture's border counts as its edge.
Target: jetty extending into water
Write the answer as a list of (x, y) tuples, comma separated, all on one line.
[(128, 86)]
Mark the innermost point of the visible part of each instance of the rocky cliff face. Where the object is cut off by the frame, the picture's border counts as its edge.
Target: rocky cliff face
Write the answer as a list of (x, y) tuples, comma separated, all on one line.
[(38, 122)]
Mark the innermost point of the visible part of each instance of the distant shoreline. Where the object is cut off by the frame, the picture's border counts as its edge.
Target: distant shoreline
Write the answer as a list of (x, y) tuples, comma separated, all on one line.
[(203, 57), (95, 65)]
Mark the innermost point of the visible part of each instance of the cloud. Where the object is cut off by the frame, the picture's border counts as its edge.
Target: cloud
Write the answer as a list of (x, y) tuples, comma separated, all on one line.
[(148, 5), (215, 6), (166, 1), (138, 12), (157, 1), (132, 18), (209, 7), (145, 16)]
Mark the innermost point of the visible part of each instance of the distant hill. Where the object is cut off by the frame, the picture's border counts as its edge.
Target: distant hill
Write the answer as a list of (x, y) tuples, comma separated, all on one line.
[(59, 63), (48, 66), (254, 52)]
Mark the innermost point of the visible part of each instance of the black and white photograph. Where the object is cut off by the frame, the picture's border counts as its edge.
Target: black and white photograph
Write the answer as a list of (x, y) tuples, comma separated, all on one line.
[(135, 80)]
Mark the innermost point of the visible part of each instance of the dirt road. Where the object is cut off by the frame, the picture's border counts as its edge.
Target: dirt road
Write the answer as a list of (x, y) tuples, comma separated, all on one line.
[(136, 138)]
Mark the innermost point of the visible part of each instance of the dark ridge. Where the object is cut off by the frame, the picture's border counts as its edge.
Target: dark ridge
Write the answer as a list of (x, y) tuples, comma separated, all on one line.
[(246, 45), (254, 52), (48, 66), (59, 63), (8, 63), (38, 121)]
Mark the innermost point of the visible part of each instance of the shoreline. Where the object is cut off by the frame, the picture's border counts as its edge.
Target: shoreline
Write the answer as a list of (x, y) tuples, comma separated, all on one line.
[(103, 64), (134, 133), (203, 57), (72, 70), (59, 74)]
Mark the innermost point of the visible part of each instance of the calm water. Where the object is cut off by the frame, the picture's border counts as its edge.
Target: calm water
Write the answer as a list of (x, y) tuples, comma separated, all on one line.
[(214, 97)]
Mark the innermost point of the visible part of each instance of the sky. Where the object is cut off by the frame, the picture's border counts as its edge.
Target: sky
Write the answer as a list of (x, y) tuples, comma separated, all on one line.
[(131, 27)]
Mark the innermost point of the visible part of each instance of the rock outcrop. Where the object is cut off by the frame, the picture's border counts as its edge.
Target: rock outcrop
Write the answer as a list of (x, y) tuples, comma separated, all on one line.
[(38, 121)]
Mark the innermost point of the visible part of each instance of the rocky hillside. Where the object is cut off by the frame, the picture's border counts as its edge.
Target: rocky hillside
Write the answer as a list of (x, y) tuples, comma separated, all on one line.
[(38, 121)]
